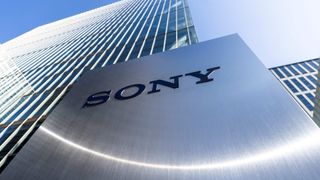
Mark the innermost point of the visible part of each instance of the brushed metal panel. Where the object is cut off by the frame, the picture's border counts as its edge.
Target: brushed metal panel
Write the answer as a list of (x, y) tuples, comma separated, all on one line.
[(242, 125)]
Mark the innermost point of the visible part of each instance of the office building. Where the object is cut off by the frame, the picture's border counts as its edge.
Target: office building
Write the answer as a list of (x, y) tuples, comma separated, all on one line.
[(46, 62), (316, 111), (72, 111), (300, 80), (196, 112)]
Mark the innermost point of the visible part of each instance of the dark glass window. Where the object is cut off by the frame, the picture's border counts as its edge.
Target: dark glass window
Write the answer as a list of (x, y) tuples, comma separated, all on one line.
[(292, 70), (124, 53), (311, 97), (136, 49), (305, 102), (147, 47), (166, 7), (172, 21), (312, 79), (278, 73), (297, 83), (25, 106), (115, 54), (285, 71), (102, 58), (302, 71), (158, 47), (193, 36), (183, 37), (163, 24), (181, 19), (307, 67), (305, 82), (154, 26), (313, 64), (171, 40), (292, 88)]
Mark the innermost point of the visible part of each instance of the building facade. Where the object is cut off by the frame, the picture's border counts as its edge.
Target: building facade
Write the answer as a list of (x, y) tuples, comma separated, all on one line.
[(168, 117), (300, 80), (45, 62), (316, 111)]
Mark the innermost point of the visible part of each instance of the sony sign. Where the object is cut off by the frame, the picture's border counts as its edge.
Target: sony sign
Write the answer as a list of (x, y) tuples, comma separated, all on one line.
[(103, 96), (207, 111)]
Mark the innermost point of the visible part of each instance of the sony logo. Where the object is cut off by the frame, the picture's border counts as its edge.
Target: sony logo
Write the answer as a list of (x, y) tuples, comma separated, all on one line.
[(103, 96)]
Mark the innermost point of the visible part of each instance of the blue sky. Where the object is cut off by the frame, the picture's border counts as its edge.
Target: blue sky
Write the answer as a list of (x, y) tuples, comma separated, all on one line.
[(20, 16), (278, 31)]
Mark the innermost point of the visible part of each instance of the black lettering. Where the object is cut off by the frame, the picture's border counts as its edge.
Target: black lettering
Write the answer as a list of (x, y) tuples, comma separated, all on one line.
[(203, 77), (173, 85), (119, 94), (97, 98)]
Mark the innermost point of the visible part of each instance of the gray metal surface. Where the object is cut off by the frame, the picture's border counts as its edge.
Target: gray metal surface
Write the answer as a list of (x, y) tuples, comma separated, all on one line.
[(242, 125)]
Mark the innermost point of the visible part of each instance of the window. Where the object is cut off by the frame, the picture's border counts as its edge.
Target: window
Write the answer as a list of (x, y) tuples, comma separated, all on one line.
[(293, 71), (285, 71), (311, 97), (312, 79), (299, 85), (313, 64), (305, 102), (280, 75), (305, 82), (292, 88), (307, 67), (297, 66)]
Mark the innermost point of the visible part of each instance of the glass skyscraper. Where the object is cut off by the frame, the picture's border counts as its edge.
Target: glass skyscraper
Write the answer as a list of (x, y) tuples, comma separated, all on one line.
[(316, 111), (40, 66), (300, 80)]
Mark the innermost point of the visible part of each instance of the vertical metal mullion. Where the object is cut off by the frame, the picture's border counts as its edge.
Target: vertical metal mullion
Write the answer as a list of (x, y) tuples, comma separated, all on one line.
[(119, 31), (135, 20), (177, 38), (157, 31), (186, 21), (127, 10), (147, 34), (139, 7), (135, 29), (141, 29), (80, 72), (167, 27)]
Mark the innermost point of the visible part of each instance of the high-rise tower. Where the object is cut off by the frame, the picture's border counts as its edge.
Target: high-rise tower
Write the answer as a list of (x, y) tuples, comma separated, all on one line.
[(45, 62), (300, 80)]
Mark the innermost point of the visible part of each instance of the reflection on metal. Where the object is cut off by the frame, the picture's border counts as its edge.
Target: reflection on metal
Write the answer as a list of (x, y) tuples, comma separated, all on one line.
[(309, 141), (241, 125)]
